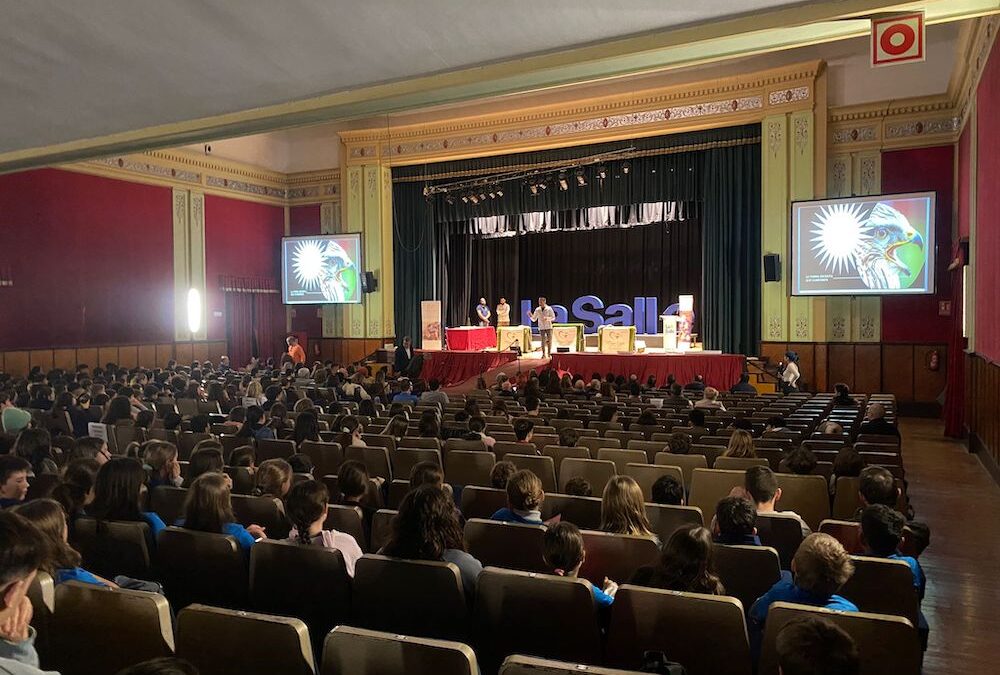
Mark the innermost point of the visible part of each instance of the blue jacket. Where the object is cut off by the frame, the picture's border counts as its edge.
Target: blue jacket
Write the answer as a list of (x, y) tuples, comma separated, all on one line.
[(77, 574), (508, 516)]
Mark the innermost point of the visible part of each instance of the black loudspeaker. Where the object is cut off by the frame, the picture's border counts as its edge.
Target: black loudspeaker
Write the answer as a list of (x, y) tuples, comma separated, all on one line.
[(772, 267), (369, 284)]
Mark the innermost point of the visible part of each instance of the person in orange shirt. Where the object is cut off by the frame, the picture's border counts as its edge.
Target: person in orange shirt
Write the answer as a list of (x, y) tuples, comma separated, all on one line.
[(295, 350)]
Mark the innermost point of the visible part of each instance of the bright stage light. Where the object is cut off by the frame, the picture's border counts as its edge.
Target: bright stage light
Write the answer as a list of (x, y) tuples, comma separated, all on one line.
[(194, 310)]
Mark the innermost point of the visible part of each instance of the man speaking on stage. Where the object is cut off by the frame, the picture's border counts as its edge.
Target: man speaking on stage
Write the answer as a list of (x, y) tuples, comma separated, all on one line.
[(544, 315)]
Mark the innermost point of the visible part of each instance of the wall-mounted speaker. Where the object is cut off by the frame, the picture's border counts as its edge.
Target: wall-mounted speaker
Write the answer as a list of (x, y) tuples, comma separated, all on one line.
[(369, 284), (772, 267)]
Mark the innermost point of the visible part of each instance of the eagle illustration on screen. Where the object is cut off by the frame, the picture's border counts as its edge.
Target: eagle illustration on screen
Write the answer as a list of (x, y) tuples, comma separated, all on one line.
[(881, 245), (326, 266)]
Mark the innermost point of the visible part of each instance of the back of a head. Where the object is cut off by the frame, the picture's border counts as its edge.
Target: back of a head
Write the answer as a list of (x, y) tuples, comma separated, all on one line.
[(167, 665), (562, 548), (578, 486), (433, 384), (623, 509), (23, 548), (821, 565), (761, 483), (524, 491), (676, 389), (426, 473), (501, 473), (425, 526), (876, 411), (117, 490), (272, 478), (848, 462), (877, 486), (697, 417), (711, 393), (801, 461), (208, 507), (477, 424), (687, 562), (668, 491), (522, 428), (740, 445), (736, 518), (206, 460), (776, 422), (353, 479), (606, 413), (814, 646), (680, 443), (305, 504), (882, 529), (568, 438)]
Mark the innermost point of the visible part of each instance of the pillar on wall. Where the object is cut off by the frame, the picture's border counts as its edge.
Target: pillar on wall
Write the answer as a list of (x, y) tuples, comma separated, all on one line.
[(970, 273), (334, 316), (854, 319), (189, 262), (802, 310)]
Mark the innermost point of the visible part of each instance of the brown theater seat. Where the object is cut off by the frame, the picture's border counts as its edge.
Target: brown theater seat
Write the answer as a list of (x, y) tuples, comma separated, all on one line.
[(621, 458), (379, 441), (650, 448), (615, 556), (261, 511), (647, 474), (307, 582), (558, 453), (350, 651), (511, 545), (222, 642), (347, 519), (110, 548), (567, 628), (90, 621), (468, 446), (707, 634), (201, 567), (404, 459), (268, 448), (739, 463), (782, 533), (482, 502), (530, 665), (886, 644), (664, 519), (42, 594), (597, 472), (167, 503), (686, 463), (186, 442), (594, 444), (808, 496), (747, 572), (543, 467), (584, 512), (381, 528), (391, 594), (463, 467), (708, 486), (326, 457), (375, 459), (883, 586)]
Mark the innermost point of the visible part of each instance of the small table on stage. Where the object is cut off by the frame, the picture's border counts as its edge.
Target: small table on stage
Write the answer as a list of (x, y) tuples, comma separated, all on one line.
[(471, 338)]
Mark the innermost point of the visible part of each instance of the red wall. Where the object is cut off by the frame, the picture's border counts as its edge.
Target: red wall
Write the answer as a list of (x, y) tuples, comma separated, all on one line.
[(91, 260), (241, 239), (988, 210), (915, 318), (304, 220)]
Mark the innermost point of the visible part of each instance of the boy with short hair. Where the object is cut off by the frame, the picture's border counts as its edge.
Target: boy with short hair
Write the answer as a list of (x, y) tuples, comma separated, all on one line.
[(735, 522), (524, 429), (524, 500), (820, 567), (14, 472), (762, 487), (881, 535), (668, 491), (501, 473), (579, 487), (812, 645), (878, 486), (22, 553), (568, 438)]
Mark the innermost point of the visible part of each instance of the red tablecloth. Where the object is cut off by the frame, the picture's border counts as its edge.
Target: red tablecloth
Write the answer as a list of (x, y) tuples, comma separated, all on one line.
[(475, 337), (454, 367), (721, 371)]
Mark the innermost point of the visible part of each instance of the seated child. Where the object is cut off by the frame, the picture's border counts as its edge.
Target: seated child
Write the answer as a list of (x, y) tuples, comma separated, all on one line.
[(49, 517), (579, 487), (306, 506), (524, 499), (13, 480), (735, 522), (667, 491), (501, 473), (813, 645), (563, 551)]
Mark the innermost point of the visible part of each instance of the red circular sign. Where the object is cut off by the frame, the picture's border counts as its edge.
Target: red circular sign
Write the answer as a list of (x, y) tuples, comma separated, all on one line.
[(906, 44)]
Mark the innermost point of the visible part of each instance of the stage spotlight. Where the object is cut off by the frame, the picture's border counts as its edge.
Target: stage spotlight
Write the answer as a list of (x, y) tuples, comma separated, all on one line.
[(194, 310), (465, 199), (474, 199), (544, 185), (563, 183), (625, 167), (493, 194), (482, 196), (499, 191), (581, 179)]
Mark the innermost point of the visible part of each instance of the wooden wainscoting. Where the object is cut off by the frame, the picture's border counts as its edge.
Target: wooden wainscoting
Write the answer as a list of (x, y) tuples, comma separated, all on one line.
[(982, 401), (900, 369), (345, 350), (20, 362)]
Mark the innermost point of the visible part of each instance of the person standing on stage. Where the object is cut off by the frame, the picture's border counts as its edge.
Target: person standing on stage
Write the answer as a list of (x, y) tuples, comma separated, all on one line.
[(544, 315), (503, 313), (295, 350), (403, 356), (483, 312)]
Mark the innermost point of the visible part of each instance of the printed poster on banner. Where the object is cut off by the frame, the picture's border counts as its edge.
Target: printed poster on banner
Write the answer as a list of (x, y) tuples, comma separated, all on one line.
[(430, 324)]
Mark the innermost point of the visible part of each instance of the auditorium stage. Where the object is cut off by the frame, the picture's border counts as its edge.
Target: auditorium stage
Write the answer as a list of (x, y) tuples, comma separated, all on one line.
[(719, 370)]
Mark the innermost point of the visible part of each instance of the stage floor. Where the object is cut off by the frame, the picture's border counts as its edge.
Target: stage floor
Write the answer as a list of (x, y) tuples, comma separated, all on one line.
[(719, 370)]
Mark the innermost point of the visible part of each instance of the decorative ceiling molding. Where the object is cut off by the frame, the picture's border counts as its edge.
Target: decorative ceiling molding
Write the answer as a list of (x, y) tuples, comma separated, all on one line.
[(919, 121), (714, 103), (181, 168)]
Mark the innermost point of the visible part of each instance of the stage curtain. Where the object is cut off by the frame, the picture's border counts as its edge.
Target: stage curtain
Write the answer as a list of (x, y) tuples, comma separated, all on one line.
[(716, 173), (239, 328), (663, 260)]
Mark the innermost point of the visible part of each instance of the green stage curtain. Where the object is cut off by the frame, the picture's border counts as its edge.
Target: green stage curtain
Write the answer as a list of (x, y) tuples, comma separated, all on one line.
[(716, 173)]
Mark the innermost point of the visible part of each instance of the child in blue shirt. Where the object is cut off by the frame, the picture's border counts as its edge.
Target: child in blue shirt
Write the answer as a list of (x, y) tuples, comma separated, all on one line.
[(118, 493), (735, 522), (820, 567), (524, 500), (563, 551), (209, 508), (48, 516)]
